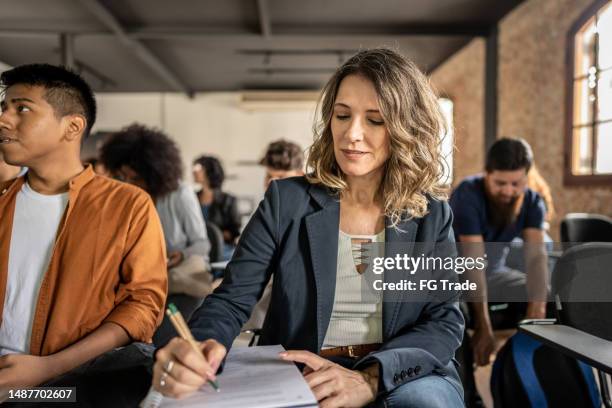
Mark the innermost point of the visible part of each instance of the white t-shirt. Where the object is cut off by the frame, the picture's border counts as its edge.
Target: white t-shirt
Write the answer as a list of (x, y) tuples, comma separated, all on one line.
[(35, 223)]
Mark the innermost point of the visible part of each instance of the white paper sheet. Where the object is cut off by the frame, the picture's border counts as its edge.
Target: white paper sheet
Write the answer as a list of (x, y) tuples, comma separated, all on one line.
[(253, 377)]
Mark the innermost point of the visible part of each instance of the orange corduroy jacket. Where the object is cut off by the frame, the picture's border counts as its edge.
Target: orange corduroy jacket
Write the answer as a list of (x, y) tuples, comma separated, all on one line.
[(108, 263)]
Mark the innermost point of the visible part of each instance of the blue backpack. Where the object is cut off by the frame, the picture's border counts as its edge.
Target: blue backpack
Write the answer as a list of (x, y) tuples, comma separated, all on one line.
[(527, 373)]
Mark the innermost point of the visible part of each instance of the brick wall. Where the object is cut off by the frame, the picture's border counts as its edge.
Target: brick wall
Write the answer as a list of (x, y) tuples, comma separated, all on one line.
[(531, 92), (461, 79)]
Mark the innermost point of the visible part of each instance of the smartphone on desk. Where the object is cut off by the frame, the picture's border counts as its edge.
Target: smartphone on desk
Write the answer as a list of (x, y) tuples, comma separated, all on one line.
[(538, 321)]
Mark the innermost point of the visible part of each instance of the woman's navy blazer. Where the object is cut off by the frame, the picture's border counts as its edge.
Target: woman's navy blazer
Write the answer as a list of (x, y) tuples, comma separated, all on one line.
[(293, 236)]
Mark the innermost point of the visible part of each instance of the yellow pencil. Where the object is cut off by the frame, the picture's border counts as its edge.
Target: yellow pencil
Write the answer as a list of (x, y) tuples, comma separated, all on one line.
[(177, 320)]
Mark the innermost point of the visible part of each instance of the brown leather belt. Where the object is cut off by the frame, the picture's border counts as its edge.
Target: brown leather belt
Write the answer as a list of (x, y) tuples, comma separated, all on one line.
[(356, 351)]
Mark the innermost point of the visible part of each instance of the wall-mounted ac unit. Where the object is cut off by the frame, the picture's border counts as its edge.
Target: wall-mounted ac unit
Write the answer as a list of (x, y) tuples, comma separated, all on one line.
[(278, 100)]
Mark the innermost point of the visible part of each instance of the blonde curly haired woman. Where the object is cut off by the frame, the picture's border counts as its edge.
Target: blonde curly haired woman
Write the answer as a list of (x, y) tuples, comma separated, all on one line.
[(374, 176)]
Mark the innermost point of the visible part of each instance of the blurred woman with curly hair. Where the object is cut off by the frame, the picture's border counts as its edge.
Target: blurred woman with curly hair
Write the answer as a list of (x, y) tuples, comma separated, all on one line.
[(151, 160), (374, 177), (218, 207)]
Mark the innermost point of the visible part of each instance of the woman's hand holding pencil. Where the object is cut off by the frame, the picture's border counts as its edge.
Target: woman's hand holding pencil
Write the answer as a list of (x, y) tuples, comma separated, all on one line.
[(184, 365)]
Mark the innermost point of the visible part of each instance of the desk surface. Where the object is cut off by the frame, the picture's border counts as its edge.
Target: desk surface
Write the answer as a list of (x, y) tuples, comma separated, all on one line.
[(594, 351)]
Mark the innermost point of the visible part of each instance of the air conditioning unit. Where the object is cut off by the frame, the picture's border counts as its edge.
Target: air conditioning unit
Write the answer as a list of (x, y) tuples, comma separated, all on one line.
[(278, 100)]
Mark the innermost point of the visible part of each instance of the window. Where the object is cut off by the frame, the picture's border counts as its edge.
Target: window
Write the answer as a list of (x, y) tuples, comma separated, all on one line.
[(589, 138)]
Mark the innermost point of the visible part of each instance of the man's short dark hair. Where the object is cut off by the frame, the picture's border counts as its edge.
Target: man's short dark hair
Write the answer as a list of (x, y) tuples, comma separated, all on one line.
[(508, 154), (283, 155), (65, 90), (213, 169)]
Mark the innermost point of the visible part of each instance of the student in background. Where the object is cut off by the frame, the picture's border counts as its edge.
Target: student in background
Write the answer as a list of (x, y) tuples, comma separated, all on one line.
[(376, 167), (490, 211), (537, 183), (282, 159), (82, 257), (218, 207), (515, 257), (149, 159), (8, 172)]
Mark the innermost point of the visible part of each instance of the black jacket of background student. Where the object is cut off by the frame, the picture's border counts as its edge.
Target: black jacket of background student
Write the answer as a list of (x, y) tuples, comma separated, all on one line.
[(223, 212), (293, 235)]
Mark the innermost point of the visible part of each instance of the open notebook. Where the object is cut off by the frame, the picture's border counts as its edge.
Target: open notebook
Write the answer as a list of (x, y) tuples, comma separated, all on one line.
[(253, 377)]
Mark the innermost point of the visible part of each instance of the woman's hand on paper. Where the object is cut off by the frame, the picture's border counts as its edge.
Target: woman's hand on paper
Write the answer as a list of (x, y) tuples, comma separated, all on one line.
[(179, 370), (332, 384), (24, 370)]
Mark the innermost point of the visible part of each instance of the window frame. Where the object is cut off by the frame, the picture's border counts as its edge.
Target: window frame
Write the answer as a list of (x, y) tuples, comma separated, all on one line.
[(569, 177)]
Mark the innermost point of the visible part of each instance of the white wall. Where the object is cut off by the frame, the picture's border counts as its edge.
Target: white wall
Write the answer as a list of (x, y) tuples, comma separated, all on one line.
[(217, 124), (211, 123)]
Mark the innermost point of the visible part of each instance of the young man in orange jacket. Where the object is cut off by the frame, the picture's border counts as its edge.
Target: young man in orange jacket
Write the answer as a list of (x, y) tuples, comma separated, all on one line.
[(82, 257)]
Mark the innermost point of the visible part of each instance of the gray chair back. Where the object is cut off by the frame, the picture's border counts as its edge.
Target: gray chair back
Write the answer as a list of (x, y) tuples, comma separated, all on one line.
[(582, 288), (582, 227)]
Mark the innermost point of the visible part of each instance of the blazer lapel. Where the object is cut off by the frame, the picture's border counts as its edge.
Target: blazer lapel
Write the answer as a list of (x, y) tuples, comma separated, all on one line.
[(322, 229), (398, 241)]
